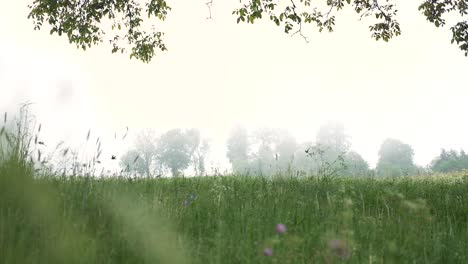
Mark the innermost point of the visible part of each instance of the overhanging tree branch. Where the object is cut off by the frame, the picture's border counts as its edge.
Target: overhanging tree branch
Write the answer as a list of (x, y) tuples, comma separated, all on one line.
[(82, 21)]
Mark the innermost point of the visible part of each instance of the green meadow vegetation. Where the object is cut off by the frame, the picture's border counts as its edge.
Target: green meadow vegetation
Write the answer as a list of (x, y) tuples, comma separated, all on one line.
[(52, 218)]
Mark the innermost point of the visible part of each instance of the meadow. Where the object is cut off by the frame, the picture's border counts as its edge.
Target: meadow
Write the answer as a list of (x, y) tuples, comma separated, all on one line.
[(231, 219), (47, 217)]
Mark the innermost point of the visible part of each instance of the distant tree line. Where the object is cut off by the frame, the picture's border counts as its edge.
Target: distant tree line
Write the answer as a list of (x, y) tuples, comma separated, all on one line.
[(173, 151), (270, 151), (450, 161)]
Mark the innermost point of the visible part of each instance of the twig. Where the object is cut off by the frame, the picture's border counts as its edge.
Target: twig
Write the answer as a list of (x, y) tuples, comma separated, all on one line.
[(300, 24), (209, 4), (300, 33)]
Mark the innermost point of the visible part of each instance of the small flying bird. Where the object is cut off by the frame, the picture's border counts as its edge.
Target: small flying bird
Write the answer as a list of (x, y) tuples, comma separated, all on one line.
[(113, 157), (41, 143)]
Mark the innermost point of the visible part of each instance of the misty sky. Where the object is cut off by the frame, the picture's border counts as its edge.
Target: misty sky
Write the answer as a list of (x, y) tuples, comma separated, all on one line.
[(218, 74)]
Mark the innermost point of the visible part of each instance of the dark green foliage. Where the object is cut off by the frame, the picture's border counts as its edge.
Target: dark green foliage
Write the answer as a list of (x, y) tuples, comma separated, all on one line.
[(295, 14), (434, 10), (83, 21)]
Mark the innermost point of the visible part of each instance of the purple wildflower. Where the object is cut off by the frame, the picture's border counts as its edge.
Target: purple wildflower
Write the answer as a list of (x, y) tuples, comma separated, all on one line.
[(186, 202), (268, 252), (280, 228), (339, 248)]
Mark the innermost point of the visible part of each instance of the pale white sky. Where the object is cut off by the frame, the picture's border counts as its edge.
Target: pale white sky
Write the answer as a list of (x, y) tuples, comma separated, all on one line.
[(217, 74)]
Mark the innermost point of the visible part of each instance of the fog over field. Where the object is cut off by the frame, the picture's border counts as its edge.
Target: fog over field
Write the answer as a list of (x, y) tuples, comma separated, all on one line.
[(217, 74), (242, 142)]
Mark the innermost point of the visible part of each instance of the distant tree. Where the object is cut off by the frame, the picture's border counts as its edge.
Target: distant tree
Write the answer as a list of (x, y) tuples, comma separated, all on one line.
[(420, 170), (264, 156), (395, 159), (238, 149), (326, 165), (83, 22), (303, 163), (268, 151), (355, 165), (388, 169), (143, 158), (200, 156), (176, 148), (131, 162), (333, 136), (328, 153), (193, 138), (450, 161), (273, 151), (286, 148)]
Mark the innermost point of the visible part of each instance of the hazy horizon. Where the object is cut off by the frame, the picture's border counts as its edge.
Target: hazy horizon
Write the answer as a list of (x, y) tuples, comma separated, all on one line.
[(218, 74)]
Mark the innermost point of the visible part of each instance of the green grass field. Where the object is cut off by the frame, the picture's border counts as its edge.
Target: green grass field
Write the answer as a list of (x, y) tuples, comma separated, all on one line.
[(231, 219)]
